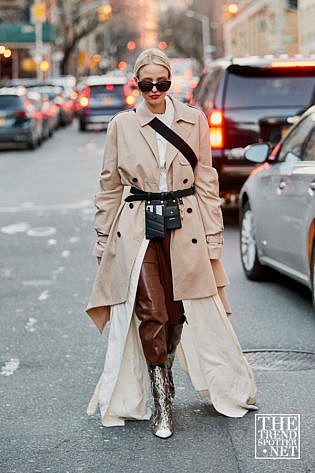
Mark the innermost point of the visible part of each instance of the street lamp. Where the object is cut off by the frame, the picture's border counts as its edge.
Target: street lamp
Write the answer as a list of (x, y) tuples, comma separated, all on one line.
[(205, 33), (39, 13)]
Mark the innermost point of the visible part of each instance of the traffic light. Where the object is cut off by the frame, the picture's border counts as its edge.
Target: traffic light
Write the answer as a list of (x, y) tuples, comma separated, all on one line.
[(104, 12), (44, 65), (39, 11), (163, 45), (230, 10), (131, 45)]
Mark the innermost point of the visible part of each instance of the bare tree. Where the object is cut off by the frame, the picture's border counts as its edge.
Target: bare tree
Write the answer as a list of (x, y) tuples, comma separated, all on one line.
[(182, 33), (73, 25)]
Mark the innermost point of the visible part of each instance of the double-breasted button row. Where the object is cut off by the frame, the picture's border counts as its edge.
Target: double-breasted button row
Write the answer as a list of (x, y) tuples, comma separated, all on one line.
[(134, 179), (118, 234), (185, 181), (194, 240), (189, 210), (131, 205)]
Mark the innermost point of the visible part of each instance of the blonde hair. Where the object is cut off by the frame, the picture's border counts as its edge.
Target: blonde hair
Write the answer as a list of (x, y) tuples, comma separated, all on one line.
[(151, 56)]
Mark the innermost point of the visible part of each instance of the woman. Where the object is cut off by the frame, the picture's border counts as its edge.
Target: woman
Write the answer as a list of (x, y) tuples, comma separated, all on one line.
[(147, 287)]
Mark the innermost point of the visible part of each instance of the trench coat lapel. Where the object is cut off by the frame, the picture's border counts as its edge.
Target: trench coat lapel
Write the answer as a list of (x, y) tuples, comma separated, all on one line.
[(144, 116)]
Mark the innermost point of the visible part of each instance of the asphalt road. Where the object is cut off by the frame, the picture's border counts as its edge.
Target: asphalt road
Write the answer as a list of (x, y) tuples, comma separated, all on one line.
[(51, 355)]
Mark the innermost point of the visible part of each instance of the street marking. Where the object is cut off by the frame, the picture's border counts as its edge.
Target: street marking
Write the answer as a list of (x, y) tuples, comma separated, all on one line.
[(10, 367), (51, 242), (6, 272), (43, 296), (38, 282), (30, 207), (41, 231), (56, 272), (29, 327), (66, 254), (15, 228)]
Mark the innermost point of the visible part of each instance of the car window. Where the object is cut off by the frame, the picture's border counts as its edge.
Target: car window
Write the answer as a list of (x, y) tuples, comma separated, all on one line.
[(10, 102), (309, 147), (248, 91), (211, 85), (293, 145), (111, 90)]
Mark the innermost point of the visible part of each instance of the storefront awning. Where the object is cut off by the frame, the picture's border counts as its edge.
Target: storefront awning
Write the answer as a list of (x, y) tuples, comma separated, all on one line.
[(24, 33)]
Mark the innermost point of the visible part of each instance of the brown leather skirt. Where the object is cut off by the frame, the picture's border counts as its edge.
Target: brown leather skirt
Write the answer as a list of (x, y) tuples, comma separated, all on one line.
[(155, 306)]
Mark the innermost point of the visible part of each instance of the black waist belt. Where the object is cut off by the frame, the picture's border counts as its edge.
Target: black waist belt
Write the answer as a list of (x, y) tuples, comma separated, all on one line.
[(142, 195)]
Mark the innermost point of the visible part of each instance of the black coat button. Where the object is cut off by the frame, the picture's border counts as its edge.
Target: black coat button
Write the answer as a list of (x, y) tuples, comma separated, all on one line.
[(118, 234), (189, 210), (134, 179), (194, 240), (131, 205), (185, 181)]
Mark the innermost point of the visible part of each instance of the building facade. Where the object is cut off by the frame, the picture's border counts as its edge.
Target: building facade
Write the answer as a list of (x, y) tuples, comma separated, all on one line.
[(28, 45), (306, 25), (263, 27)]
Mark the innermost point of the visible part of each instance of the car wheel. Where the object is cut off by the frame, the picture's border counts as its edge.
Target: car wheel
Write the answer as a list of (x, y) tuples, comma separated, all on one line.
[(312, 267), (253, 269), (82, 126), (33, 144)]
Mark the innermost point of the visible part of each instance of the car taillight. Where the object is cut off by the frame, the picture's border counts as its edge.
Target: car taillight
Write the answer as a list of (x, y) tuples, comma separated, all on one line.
[(84, 102), (216, 129), (216, 118), (21, 114), (130, 100), (292, 64)]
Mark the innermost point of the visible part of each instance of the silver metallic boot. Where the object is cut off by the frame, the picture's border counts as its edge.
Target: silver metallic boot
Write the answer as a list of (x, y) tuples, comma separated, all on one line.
[(162, 417)]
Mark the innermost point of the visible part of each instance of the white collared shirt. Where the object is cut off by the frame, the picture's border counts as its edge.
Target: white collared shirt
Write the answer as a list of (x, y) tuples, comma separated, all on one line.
[(167, 118)]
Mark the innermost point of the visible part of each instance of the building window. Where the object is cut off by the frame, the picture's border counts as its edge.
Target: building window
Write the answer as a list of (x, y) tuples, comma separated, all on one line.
[(292, 4)]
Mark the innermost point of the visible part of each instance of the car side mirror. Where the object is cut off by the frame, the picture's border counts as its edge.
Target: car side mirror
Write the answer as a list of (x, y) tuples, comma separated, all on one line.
[(258, 152)]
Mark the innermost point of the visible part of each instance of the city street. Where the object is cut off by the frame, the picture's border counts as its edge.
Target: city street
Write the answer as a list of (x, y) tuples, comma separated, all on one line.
[(51, 354)]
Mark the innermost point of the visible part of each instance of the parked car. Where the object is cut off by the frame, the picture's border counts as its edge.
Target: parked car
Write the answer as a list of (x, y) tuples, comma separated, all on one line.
[(56, 96), (277, 206), (20, 120), (103, 97), (249, 100), (38, 102)]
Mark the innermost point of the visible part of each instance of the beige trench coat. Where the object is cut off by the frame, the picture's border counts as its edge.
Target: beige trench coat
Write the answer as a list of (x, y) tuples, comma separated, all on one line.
[(209, 350), (132, 159)]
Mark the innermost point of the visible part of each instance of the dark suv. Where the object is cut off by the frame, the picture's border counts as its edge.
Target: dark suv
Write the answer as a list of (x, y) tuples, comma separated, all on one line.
[(250, 100)]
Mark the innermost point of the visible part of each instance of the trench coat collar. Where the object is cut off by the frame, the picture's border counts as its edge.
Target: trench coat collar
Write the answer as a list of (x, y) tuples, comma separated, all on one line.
[(182, 116), (181, 113)]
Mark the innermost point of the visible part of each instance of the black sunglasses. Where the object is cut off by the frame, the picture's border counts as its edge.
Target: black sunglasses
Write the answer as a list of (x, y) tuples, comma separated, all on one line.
[(147, 86)]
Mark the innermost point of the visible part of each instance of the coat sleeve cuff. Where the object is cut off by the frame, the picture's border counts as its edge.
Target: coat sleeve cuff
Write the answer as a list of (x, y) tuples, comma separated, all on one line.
[(214, 244), (99, 246)]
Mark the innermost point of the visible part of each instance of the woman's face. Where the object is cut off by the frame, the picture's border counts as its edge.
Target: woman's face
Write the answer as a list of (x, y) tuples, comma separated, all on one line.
[(154, 73)]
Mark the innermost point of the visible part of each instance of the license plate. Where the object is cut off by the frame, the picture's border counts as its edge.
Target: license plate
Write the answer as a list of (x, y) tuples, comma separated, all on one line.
[(284, 131), (107, 101)]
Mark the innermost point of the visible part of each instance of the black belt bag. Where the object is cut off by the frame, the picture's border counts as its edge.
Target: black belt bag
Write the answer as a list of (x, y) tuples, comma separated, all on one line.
[(162, 208), (161, 216)]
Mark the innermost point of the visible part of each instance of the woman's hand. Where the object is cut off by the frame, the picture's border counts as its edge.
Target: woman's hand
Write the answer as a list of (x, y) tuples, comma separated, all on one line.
[(99, 260)]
